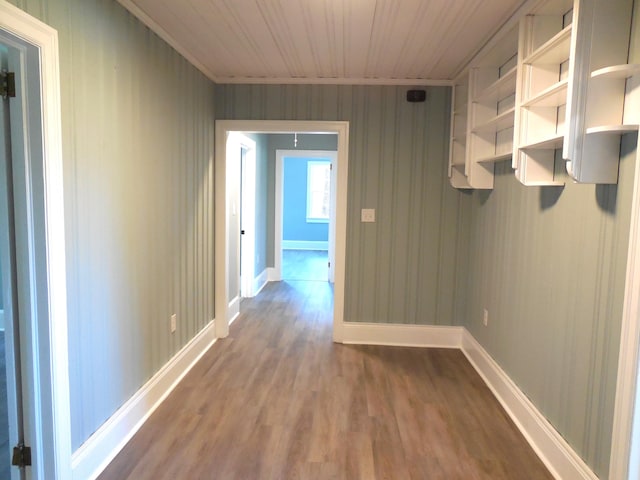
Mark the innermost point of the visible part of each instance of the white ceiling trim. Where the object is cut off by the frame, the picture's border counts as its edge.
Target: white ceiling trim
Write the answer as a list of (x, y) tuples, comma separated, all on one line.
[(164, 35), (425, 82)]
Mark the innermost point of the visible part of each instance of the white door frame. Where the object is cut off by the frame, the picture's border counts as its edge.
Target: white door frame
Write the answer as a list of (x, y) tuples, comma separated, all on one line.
[(625, 444), (48, 387), (235, 142), (223, 128), (279, 205)]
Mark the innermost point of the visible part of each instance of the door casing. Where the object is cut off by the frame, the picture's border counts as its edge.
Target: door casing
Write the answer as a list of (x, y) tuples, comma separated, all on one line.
[(223, 129)]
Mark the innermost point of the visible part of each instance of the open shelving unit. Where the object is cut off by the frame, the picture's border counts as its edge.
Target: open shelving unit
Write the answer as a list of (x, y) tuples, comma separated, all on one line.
[(543, 80), (458, 145), (605, 102), (563, 85), (492, 88)]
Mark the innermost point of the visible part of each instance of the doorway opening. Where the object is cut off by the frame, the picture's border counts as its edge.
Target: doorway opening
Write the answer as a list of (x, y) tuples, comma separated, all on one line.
[(227, 198), (305, 212)]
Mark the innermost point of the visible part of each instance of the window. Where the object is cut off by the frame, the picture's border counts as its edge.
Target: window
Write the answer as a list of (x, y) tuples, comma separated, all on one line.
[(318, 191)]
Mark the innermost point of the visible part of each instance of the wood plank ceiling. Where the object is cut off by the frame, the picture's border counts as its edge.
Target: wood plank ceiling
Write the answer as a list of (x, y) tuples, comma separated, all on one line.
[(326, 41)]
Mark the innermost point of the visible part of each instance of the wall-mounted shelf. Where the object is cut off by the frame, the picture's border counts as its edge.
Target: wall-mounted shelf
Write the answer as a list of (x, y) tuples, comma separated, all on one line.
[(552, 96), (495, 158), (563, 86), (497, 123), (617, 71), (545, 45), (458, 145), (553, 51), (546, 144), (492, 87), (612, 129), (501, 88), (603, 106)]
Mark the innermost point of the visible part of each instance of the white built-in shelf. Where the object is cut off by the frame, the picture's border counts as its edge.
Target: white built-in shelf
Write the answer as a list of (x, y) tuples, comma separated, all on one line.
[(553, 96), (458, 161), (553, 51), (617, 71), (547, 143), (497, 123), (501, 88), (495, 158), (612, 129)]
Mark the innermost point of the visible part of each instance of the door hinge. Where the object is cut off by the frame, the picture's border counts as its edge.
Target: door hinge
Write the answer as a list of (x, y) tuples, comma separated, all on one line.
[(329, 264), (7, 84), (21, 456)]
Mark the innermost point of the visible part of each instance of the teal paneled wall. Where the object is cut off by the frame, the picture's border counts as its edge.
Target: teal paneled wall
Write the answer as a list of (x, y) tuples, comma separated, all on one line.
[(549, 265), (402, 268), (138, 124)]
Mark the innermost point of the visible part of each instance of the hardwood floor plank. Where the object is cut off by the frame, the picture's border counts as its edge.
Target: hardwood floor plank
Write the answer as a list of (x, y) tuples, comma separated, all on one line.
[(278, 399)]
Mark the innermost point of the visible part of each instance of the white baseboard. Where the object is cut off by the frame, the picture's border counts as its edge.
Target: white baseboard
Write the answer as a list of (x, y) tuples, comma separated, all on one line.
[(561, 460), (234, 309), (401, 335), (273, 274), (101, 448), (260, 281), (558, 456), (305, 245)]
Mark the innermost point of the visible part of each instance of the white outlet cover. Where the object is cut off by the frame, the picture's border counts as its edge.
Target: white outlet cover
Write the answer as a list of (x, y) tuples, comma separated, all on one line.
[(368, 215)]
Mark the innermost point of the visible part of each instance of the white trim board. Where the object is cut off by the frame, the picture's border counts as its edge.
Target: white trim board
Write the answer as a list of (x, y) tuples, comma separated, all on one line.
[(50, 390), (260, 282), (401, 335), (305, 245), (561, 460), (233, 311), (2, 320), (102, 447)]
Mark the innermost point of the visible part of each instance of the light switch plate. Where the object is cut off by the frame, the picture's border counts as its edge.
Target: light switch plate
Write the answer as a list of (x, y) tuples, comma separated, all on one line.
[(368, 215)]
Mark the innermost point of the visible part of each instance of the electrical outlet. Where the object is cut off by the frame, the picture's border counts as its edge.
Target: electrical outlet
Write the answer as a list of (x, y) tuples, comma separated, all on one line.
[(174, 322), (368, 215), (485, 317)]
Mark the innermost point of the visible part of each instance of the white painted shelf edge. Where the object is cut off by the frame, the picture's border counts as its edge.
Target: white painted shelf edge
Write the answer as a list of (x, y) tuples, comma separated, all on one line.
[(617, 71), (497, 123), (548, 143), (554, 50), (612, 129), (553, 96), (502, 87), (495, 158)]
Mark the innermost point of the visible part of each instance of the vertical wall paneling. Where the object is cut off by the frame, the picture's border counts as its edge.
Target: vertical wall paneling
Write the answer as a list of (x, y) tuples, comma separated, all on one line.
[(138, 125), (548, 263), (397, 163)]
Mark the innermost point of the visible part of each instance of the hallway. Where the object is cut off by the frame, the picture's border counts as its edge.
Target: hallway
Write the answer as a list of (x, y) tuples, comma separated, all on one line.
[(278, 399)]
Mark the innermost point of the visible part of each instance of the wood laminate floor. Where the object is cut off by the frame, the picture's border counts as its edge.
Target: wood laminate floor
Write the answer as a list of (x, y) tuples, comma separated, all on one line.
[(309, 265), (278, 399)]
